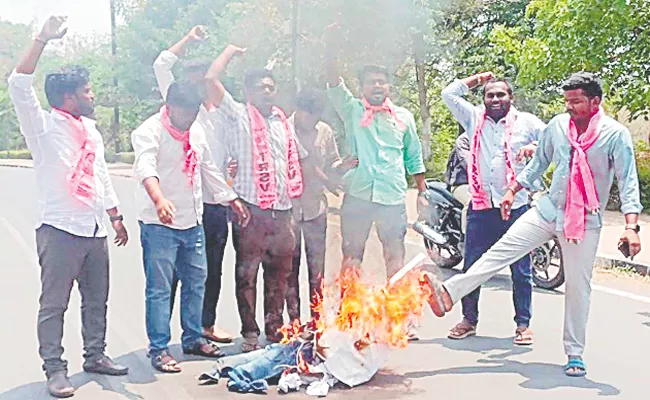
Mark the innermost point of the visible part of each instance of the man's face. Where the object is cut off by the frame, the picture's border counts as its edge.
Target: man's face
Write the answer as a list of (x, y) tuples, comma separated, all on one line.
[(182, 118), (579, 105), (83, 100), (375, 88), (263, 94), (497, 100), (306, 120)]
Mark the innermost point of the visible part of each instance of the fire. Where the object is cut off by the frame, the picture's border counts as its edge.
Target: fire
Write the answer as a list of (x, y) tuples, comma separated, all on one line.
[(373, 313)]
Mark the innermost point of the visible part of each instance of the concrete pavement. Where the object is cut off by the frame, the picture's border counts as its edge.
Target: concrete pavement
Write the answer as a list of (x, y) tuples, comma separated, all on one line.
[(489, 366)]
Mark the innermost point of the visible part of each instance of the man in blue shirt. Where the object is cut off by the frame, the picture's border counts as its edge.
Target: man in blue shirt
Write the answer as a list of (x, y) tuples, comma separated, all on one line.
[(588, 149), (496, 132)]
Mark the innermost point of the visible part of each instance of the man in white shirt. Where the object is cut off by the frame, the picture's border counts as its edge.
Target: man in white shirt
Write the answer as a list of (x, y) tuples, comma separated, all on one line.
[(215, 210), (74, 192), (172, 163)]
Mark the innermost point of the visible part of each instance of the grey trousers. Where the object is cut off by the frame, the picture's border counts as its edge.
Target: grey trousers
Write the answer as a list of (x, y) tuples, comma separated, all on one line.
[(64, 259), (527, 233)]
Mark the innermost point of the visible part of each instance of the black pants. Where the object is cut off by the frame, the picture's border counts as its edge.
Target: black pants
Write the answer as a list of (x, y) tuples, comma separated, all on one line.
[(215, 225), (268, 239), (315, 234)]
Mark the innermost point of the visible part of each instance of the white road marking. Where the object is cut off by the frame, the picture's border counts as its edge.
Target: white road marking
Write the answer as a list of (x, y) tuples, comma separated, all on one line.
[(19, 238), (621, 293)]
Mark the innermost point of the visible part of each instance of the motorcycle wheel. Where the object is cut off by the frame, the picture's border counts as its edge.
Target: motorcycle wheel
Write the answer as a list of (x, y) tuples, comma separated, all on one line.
[(548, 265), (441, 256)]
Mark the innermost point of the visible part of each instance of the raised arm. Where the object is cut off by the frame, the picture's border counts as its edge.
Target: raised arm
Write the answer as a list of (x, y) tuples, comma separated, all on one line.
[(332, 44), (215, 88), (20, 83), (163, 65), (454, 98)]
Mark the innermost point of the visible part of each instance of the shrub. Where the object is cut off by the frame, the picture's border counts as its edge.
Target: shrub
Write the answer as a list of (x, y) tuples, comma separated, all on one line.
[(127, 158), (16, 154)]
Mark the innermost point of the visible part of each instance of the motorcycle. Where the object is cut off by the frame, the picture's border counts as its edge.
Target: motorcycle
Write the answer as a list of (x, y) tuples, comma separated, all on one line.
[(440, 225)]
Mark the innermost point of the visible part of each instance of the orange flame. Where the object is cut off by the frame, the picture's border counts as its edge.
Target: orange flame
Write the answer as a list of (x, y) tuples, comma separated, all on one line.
[(374, 313)]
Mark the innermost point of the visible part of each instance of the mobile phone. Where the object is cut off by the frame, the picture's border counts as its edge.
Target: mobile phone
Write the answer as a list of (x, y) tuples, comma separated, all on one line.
[(624, 247)]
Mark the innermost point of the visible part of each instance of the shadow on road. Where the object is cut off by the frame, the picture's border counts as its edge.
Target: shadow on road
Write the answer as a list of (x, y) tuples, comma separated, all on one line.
[(645, 314), (140, 373), (540, 376), (483, 345), (137, 375), (385, 385)]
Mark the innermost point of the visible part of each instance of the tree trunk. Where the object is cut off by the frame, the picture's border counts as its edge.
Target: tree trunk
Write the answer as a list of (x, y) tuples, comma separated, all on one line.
[(425, 114), (115, 128)]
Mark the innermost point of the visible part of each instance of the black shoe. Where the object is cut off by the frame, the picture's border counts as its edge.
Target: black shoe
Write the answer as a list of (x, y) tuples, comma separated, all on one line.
[(105, 366), (59, 386)]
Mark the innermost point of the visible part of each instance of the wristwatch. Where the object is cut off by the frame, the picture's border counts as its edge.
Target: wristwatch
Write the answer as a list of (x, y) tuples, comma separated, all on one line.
[(117, 218), (635, 227)]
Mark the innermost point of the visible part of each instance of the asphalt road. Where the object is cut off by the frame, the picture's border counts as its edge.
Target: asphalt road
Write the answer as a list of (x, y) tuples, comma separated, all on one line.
[(490, 366)]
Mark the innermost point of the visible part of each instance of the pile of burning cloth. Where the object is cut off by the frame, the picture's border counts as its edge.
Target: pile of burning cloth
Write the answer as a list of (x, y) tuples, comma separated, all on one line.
[(348, 343), (316, 363)]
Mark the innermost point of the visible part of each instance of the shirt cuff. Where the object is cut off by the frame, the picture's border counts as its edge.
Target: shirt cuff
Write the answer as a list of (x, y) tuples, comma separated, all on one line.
[(525, 182), (225, 198), (631, 208), (417, 169), (167, 57), (111, 201), (146, 173)]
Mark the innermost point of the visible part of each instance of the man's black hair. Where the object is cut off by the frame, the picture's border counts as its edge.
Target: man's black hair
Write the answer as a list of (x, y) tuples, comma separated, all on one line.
[(195, 66), (511, 88), (311, 100), (184, 94), (254, 76), (66, 81), (373, 69), (585, 81)]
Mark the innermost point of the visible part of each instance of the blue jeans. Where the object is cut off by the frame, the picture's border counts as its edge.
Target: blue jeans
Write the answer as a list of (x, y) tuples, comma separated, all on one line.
[(484, 229), (250, 377), (165, 251)]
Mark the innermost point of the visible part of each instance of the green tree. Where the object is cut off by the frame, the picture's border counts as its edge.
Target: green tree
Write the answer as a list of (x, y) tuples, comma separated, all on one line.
[(607, 37)]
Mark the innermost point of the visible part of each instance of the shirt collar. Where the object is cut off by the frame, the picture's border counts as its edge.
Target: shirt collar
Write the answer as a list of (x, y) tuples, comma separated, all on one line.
[(87, 121)]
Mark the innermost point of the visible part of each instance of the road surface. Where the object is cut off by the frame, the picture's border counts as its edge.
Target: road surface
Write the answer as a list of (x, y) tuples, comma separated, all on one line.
[(490, 366)]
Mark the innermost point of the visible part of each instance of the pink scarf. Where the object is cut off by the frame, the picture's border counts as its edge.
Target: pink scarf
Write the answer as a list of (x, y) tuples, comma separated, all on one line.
[(191, 158), (369, 114), (480, 199), (581, 181), (81, 178), (263, 164)]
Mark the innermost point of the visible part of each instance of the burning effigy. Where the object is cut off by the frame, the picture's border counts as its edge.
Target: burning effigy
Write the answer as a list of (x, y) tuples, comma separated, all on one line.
[(357, 325)]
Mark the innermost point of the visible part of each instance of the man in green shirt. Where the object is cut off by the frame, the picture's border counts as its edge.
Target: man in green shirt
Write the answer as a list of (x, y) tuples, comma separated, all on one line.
[(384, 138)]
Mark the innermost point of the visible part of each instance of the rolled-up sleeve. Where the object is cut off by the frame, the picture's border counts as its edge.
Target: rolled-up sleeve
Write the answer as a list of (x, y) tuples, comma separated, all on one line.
[(626, 174), (461, 109), (162, 69), (28, 107), (145, 143), (342, 99), (213, 178), (528, 178), (413, 159)]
